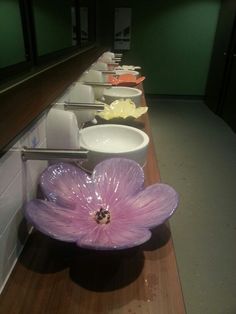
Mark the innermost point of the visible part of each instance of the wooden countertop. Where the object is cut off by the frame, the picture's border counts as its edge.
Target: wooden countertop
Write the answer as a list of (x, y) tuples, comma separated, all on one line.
[(56, 277)]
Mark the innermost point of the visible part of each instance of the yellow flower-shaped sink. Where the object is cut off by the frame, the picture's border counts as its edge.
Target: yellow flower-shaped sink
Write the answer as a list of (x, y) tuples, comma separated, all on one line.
[(122, 109)]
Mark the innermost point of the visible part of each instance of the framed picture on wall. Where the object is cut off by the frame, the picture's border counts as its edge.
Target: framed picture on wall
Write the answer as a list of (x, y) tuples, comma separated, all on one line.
[(122, 29)]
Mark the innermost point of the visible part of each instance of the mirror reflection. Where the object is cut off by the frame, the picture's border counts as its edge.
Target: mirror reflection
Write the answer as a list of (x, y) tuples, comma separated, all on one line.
[(36, 32)]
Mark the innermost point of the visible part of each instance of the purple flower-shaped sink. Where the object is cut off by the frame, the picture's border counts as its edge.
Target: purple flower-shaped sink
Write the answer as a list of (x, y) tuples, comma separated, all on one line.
[(105, 211)]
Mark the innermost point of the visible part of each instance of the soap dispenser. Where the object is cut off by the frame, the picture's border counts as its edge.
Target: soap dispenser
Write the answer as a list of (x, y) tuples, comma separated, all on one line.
[(62, 130), (95, 79), (80, 93)]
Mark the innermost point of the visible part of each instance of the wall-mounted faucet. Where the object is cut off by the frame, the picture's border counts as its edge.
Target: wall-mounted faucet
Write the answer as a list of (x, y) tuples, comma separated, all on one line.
[(71, 105), (97, 84), (116, 59), (52, 154), (107, 71), (114, 64), (64, 121), (82, 105), (86, 111)]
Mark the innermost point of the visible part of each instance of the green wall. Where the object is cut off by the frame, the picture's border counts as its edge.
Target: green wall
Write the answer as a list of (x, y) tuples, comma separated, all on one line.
[(53, 25), (11, 36), (172, 41)]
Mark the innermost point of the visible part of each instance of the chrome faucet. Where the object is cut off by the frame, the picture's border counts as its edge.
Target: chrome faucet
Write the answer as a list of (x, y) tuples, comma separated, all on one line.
[(116, 59), (72, 105), (69, 105), (87, 110), (107, 71), (118, 55), (102, 84), (52, 154)]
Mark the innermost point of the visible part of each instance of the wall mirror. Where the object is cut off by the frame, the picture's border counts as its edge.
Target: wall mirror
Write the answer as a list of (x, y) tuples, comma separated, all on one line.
[(87, 22), (42, 52), (37, 32), (14, 53)]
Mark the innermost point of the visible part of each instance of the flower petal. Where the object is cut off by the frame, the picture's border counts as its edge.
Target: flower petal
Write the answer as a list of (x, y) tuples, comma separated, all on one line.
[(67, 185), (115, 179), (52, 220), (114, 236), (152, 206)]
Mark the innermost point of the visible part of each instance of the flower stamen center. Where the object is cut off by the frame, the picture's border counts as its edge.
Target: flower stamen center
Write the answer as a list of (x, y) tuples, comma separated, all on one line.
[(102, 216)]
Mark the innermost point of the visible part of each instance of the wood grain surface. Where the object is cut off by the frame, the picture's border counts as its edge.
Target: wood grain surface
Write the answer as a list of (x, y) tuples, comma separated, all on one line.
[(57, 277)]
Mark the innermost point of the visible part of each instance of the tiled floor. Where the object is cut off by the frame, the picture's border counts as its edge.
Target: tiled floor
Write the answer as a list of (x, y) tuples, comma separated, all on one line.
[(196, 152)]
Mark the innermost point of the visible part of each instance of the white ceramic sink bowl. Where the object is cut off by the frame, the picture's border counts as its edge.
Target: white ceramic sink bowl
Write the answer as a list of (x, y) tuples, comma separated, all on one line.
[(113, 140), (118, 92)]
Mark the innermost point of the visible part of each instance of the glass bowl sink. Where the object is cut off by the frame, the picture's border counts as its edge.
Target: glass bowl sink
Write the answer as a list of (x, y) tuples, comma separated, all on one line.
[(113, 140), (122, 92), (109, 210)]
